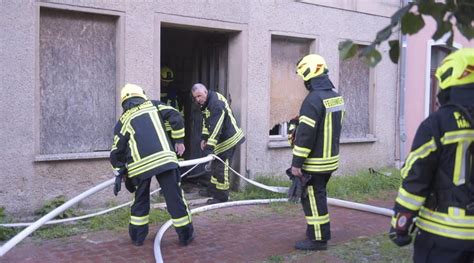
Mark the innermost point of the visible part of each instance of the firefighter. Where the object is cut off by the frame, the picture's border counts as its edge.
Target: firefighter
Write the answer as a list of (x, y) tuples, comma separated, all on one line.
[(438, 174), (316, 147), (141, 150), (220, 136), (169, 94)]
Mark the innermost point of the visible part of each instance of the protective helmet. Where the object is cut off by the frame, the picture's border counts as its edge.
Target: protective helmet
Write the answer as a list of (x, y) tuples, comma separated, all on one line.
[(167, 74), (456, 69), (131, 90), (311, 66)]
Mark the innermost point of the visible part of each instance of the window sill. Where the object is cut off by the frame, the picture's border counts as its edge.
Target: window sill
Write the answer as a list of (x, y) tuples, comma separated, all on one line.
[(278, 143), (274, 143), (368, 139), (72, 156)]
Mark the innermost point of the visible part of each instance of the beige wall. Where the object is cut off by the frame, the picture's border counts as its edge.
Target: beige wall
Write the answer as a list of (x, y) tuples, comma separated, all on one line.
[(29, 179)]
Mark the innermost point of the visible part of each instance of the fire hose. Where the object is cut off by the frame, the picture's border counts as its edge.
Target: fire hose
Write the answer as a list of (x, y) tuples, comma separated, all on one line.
[(47, 218)]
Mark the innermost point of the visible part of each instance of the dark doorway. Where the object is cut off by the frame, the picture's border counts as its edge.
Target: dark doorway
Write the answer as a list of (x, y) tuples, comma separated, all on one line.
[(195, 56)]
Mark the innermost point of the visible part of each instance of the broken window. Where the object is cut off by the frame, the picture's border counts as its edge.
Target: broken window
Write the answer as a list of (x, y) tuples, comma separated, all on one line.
[(77, 53), (287, 89), (355, 77)]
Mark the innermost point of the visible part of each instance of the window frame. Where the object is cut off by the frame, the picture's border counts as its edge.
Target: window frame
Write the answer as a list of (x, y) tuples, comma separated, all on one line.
[(371, 135), (281, 140), (119, 60), (429, 45)]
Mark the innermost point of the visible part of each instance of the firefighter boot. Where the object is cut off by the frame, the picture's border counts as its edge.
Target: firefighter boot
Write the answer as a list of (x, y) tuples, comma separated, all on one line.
[(185, 234), (138, 234), (311, 245)]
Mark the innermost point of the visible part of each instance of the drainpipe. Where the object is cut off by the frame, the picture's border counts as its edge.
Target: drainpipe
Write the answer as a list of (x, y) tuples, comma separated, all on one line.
[(401, 104)]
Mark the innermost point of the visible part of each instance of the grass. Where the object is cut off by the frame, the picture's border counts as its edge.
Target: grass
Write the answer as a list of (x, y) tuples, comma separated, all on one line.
[(115, 221), (359, 187), (372, 249), (361, 250), (364, 185)]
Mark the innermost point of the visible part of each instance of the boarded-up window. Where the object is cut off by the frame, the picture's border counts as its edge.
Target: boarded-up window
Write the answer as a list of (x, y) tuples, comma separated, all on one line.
[(354, 86), (287, 88), (77, 81)]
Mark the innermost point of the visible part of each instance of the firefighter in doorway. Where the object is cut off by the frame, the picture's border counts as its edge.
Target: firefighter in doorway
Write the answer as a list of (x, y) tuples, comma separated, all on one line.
[(316, 147), (220, 136), (438, 175), (169, 94), (142, 150)]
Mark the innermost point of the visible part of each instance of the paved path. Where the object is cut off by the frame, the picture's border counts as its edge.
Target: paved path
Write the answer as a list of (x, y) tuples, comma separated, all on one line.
[(252, 233)]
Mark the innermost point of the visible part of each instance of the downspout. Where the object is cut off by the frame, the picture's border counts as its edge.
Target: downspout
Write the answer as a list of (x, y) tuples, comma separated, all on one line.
[(401, 103)]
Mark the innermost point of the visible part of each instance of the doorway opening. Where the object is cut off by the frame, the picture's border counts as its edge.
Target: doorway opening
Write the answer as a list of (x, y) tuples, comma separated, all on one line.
[(194, 55)]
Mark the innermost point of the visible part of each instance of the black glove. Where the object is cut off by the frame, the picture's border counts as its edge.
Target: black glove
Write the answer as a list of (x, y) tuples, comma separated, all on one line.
[(118, 184), (129, 185), (207, 151), (297, 189), (403, 227)]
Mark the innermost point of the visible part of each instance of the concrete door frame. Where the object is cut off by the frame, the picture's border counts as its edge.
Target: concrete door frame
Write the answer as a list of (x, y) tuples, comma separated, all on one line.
[(237, 65)]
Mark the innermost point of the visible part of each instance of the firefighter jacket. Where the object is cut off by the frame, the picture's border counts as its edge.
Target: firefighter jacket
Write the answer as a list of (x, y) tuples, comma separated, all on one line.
[(169, 97), (437, 174), (141, 146), (219, 125), (316, 146)]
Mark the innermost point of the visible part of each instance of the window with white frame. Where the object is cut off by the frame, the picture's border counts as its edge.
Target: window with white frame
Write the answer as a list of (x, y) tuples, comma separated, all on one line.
[(438, 53), (77, 54), (287, 90)]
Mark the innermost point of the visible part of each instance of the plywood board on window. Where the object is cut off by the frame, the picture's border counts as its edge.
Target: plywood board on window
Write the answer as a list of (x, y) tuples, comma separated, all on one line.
[(354, 86), (77, 81), (287, 88)]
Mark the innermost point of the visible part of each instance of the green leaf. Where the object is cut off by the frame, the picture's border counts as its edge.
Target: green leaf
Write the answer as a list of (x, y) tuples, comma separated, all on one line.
[(412, 23), (373, 58), (367, 50), (466, 31), (347, 49), (443, 28), (397, 16), (435, 10), (383, 34), (394, 50)]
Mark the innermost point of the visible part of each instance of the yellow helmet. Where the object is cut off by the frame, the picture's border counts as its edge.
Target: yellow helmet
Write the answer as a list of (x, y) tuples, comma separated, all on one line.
[(166, 74), (131, 90), (311, 66), (456, 69)]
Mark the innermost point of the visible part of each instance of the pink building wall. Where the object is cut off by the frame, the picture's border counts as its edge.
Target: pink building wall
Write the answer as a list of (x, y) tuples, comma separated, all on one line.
[(416, 78)]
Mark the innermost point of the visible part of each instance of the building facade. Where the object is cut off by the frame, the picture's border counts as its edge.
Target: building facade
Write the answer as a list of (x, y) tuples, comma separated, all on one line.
[(64, 62)]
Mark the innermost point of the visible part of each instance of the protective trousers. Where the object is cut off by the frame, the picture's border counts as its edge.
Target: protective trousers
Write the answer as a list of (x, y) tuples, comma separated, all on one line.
[(175, 204), (428, 249), (219, 187), (315, 208)]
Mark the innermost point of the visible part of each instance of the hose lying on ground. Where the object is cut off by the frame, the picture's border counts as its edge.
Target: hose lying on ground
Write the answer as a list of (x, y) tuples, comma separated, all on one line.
[(45, 219), (58, 210)]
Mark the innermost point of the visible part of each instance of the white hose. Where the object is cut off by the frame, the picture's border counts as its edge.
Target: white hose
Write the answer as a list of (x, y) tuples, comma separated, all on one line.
[(331, 201), (194, 162), (27, 231), (45, 219), (165, 226), (275, 189), (31, 228)]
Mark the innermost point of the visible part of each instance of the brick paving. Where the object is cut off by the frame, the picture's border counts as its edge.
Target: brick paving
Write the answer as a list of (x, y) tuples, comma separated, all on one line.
[(252, 233)]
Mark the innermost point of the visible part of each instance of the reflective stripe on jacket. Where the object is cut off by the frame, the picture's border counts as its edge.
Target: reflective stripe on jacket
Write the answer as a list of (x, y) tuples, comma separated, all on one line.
[(436, 171), (141, 145), (316, 147), (220, 128)]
